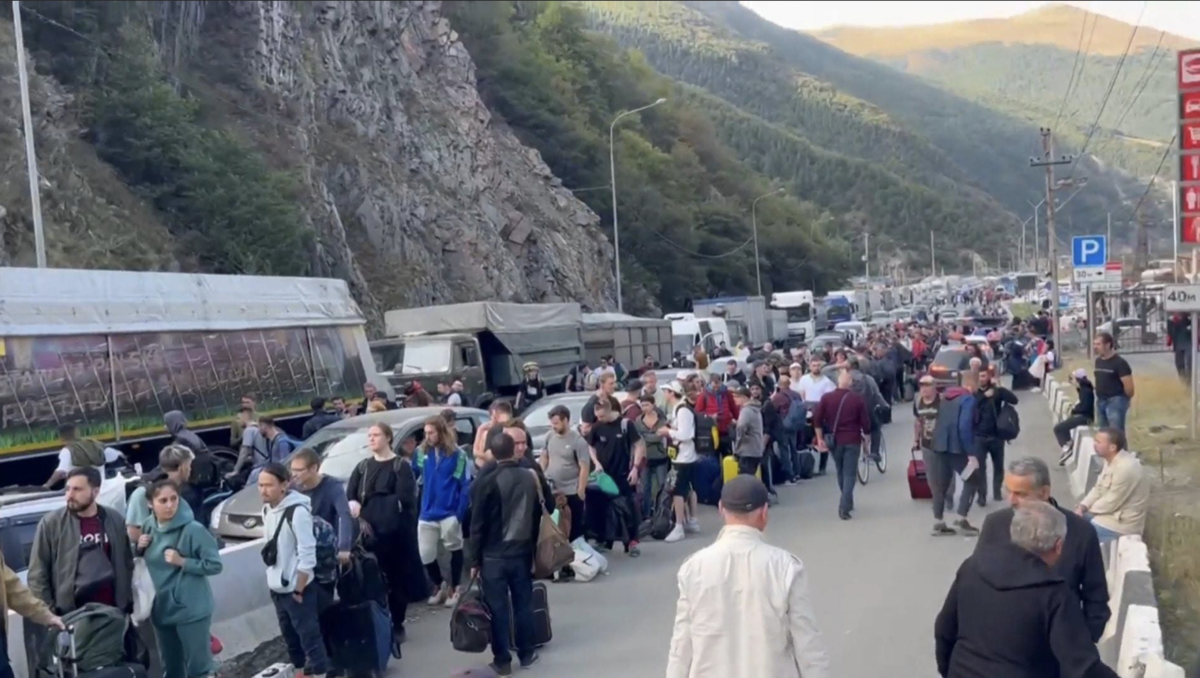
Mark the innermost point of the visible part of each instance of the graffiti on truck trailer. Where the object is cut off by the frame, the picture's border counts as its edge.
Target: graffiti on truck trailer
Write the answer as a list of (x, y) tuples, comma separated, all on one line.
[(117, 387)]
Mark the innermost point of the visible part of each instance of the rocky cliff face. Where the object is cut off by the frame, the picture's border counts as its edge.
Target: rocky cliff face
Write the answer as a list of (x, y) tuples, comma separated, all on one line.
[(417, 195)]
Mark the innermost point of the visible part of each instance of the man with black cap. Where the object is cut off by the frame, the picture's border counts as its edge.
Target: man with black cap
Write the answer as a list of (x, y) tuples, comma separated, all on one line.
[(757, 635)]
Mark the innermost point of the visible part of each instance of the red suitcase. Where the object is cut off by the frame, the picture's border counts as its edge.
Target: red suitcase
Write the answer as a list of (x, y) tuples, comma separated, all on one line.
[(918, 481)]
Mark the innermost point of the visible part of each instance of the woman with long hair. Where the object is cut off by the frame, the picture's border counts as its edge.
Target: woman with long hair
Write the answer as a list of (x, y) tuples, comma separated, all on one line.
[(383, 497), (180, 555)]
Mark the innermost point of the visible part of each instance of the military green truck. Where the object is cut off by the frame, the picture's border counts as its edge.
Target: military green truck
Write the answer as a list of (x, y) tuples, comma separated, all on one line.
[(484, 344)]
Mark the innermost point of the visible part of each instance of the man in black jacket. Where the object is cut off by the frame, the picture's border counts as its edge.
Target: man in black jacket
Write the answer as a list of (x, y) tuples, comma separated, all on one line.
[(504, 532), (1009, 615), (990, 397), (1081, 415), (320, 418), (1081, 564)]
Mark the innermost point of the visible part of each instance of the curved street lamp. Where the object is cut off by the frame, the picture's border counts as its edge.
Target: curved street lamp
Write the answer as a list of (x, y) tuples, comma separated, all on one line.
[(612, 165)]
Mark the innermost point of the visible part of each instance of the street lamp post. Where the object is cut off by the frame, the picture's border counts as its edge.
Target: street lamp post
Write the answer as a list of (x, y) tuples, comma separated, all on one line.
[(754, 226), (35, 199), (612, 165)]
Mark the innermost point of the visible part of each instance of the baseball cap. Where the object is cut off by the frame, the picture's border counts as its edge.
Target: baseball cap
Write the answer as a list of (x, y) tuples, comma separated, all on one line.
[(1079, 373), (633, 386), (674, 387), (743, 494), (796, 366), (926, 379)]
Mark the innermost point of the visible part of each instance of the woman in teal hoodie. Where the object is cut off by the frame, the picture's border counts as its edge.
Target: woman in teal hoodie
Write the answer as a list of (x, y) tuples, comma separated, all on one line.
[(180, 555)]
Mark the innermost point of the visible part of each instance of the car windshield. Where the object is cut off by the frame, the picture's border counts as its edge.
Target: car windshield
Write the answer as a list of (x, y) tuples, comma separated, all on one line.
[(799, 314), (538, 416), (426, 357), (387, 357), (340, 455)]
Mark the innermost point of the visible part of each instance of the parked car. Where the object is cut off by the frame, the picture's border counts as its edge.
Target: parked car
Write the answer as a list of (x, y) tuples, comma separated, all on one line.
[(537, 417), (948, 366), (21, 509), (341, 446)]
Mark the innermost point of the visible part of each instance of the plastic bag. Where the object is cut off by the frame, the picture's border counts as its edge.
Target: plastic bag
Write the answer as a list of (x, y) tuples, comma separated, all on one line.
[(143, 591), (605, 482), (592, 560)]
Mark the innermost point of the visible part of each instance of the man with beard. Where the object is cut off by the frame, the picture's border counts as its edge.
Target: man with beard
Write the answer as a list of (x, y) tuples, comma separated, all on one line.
[(81, 552)]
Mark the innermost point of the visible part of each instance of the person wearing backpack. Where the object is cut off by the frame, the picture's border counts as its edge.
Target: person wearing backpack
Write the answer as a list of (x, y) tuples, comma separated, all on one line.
[(290, 555), (446, 493), (279, 444), (328, 497), (180, 556), (79, 452), (990, 398)]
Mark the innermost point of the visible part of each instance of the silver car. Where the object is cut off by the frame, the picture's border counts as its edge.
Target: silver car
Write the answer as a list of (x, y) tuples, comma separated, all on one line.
[(341, 446), (537, 417)]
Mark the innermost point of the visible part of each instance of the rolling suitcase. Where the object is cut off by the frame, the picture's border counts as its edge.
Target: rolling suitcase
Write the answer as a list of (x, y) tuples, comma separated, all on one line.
[(706, 480), (918, 481), (359, 637), (542, 632), (729, 469)]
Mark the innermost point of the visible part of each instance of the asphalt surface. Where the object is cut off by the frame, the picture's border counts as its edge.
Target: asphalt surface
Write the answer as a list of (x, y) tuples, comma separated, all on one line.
[(877, 581)]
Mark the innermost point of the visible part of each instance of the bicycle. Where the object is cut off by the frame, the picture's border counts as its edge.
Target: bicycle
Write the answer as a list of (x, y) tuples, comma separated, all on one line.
[(865, 461)]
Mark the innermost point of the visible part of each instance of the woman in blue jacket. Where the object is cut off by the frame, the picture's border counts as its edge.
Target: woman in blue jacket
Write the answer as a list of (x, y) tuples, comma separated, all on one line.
[(180, 555)]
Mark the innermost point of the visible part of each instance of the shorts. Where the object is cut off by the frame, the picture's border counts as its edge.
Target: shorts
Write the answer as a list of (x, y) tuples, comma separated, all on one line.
[(683, 479), (430, 535)]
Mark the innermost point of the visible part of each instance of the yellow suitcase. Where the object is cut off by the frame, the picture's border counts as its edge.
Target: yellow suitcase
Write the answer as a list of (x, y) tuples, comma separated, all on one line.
[(729, 469)]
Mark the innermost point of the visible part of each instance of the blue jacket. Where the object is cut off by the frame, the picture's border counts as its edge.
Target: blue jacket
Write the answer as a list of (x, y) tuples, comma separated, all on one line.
[(446, 485), (953, 432), (966, 423)]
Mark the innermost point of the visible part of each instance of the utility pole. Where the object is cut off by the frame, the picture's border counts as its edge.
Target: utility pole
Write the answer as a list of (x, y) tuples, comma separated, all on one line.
[(932, 257), (754, 226), (1037, 243), (35, 198), (1049, 163), (1108, 238), (867, 266)]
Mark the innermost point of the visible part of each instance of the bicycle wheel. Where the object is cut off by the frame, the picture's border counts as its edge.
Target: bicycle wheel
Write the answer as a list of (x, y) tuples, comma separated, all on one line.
[(864, 465), (881, 463)]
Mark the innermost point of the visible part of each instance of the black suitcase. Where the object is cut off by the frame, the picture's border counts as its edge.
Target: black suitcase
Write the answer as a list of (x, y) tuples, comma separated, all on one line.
[(542, 633), (359, 638)]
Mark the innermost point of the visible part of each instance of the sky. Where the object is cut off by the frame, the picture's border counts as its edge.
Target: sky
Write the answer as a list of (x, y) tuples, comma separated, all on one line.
[(1174, 16)]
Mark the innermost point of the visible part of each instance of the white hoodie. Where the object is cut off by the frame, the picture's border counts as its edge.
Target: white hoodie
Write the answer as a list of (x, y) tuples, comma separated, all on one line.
[(297, 547)]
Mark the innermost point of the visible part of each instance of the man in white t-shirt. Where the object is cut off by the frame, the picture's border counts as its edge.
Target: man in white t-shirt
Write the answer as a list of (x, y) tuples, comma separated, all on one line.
[(815, 384), (80, 453), (682, 433)]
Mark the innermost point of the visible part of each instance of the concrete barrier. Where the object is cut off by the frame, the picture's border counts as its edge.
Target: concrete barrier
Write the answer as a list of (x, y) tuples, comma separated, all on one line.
[(244, 617), (1132, 641)]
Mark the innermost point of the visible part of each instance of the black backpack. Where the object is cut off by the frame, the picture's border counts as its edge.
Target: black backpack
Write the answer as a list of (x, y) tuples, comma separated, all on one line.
[(1008, 423), (663, 519)]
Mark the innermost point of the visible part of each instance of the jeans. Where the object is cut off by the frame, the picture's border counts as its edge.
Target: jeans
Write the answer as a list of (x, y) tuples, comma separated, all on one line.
[(994, 448), (876, 439), (504, 577), (785, 447), (185, 649), (1106, 535), (1062, 430), (654, 479), (845, 459), (301, 629), (1183, 364), (1111, 412), (578, 517), (5, 669)]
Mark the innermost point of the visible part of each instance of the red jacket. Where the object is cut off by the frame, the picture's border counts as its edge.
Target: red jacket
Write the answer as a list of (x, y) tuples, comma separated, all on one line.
[(719, 405)]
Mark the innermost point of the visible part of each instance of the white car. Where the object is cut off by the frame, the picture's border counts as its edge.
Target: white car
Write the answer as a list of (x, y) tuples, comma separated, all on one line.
[(854, 329)]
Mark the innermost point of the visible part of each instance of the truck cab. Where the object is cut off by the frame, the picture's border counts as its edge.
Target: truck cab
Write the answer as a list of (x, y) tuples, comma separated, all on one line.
[(433, 359), (688, 331), (801, 313)]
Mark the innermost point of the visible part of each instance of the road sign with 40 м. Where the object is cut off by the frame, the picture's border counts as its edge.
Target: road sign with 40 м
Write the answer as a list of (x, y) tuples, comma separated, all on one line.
[(1181, 298)]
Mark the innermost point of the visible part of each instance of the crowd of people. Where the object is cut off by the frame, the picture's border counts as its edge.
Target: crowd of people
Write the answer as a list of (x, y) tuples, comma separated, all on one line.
[(449, 520)]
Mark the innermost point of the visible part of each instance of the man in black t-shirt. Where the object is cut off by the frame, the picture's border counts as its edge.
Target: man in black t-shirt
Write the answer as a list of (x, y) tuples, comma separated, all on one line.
[(1114, 383), (619, 451)]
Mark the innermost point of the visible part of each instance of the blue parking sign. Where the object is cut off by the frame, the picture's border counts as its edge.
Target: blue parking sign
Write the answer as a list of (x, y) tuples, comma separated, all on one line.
[(1089, 250)]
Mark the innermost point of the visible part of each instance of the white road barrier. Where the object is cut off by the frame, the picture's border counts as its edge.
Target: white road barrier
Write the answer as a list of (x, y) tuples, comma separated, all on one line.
[(1132, 641)]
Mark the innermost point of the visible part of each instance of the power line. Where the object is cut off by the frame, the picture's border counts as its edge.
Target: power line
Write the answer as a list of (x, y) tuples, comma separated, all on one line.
[(1166, 153), (683, 250), (1074, 64), (1083, 63), (1108, 94), (1140, 85)]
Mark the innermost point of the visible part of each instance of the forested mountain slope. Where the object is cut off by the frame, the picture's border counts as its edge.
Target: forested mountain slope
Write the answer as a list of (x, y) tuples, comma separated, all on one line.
[(982, 150)]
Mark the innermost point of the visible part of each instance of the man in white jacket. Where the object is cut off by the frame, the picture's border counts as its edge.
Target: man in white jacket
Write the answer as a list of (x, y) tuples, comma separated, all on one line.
[(287, 522), (728, 621)]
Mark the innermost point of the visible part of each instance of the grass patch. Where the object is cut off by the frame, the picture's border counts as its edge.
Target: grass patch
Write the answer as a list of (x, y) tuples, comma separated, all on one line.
[(1157, 428), (1023, 310)]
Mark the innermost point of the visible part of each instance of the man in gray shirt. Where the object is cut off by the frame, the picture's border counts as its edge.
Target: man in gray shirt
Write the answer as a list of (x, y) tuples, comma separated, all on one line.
[(567, 463), (748, 445)]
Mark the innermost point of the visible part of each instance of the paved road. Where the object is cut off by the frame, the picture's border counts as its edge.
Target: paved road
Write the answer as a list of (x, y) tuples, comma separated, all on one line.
[(878, 581)]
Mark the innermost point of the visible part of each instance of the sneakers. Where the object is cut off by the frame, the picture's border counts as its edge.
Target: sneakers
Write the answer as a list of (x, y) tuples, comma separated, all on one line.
[(966, 528), (692, 526), (633, 551), (452, 600), (676, 534), (439, 596), (533, 659), (1068, 451), (940, 529), (501, 670)]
